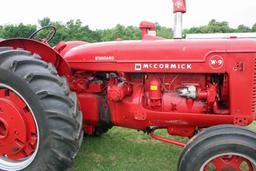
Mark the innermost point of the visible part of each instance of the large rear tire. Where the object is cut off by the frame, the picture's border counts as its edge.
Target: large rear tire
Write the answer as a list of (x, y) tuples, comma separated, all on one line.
[(44, 131)]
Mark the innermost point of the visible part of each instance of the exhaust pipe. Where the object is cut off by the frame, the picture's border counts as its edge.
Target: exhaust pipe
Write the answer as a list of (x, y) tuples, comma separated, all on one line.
[(179, 7)]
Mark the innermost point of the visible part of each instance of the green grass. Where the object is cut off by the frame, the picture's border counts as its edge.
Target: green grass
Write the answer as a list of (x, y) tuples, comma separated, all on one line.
[(123, 149)]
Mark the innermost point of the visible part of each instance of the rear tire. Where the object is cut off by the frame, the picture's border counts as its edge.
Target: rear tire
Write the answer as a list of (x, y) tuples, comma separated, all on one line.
[(53, 105), (214, 145)]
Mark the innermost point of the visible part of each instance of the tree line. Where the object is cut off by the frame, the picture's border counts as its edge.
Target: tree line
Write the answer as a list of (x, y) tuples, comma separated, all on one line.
[(76, 30)]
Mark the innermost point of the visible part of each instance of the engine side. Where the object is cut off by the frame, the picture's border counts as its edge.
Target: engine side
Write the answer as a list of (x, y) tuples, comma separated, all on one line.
[(178, 91), (142, 100)]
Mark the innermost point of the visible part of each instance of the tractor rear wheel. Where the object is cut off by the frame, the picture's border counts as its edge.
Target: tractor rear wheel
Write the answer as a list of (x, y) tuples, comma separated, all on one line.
[(40, 124), (221, 148)]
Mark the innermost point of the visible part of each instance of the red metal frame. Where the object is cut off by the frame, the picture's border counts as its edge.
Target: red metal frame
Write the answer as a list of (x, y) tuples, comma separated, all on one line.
[(139, 84), (162, 59), (179, 6), (230, 162), (122, 58), (44, 50), (18, 132), (167, 140)]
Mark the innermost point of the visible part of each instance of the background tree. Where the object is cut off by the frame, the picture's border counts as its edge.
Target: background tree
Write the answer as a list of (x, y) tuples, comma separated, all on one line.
[(46, 21), (164, 31), (254, 28), (21, 30), (76, 30), (243, 28), (212, 27), (119, 31)]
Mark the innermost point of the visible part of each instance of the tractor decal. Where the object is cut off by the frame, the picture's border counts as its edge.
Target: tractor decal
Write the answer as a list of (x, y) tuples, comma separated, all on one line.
[(145, 66)]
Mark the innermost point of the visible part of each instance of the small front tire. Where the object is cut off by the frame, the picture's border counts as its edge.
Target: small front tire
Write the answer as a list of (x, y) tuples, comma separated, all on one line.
[(220, 148)]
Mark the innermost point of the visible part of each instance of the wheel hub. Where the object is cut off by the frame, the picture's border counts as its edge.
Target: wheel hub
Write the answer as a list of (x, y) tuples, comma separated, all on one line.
[(229, 163), (18, 132)]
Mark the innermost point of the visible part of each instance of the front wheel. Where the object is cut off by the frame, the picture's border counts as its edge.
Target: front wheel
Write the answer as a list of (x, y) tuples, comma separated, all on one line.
[(40, 124), (222, 148)]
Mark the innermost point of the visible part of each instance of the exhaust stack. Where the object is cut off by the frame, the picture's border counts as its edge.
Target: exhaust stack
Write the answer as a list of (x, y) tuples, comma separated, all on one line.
[(179, 7)]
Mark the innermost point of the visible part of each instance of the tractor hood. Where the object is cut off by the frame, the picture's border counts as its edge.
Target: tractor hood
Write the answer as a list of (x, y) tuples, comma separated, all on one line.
[(177, 50), (156, 50)]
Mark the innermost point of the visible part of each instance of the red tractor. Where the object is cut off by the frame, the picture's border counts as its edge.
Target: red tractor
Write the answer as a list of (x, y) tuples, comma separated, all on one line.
[(204, 89)]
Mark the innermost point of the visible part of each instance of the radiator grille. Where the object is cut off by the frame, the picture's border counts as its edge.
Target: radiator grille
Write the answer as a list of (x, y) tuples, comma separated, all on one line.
[(254, 88)]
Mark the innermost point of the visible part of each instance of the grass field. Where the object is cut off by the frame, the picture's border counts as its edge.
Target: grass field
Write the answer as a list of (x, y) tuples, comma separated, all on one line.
[(123, 149)]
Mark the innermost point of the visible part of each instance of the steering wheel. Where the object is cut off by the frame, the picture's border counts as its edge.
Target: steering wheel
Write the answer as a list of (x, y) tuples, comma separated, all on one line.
[(50, 34)]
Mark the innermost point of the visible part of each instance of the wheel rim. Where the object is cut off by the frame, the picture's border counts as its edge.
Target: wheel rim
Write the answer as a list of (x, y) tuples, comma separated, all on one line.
[(229, 162), (18, 131)]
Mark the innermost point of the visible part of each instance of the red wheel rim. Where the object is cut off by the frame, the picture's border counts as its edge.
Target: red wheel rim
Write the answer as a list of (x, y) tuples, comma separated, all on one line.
[(229, 163), (18, 130)]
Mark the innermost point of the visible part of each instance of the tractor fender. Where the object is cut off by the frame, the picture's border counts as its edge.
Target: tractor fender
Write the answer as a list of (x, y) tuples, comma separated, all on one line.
[(64, 47), (47, 53)]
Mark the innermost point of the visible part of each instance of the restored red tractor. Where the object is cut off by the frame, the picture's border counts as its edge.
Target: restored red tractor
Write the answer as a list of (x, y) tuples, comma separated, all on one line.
[(49, 95)]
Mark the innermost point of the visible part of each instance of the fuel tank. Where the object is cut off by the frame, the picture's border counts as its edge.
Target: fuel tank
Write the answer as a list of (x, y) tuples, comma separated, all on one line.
[(174, 55)]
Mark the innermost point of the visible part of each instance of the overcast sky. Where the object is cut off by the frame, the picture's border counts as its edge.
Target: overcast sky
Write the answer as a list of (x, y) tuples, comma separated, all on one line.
[(107, 13)]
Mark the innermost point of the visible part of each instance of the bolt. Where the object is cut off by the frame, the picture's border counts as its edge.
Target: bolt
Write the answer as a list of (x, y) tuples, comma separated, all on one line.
[(15, 149), (16, 132)]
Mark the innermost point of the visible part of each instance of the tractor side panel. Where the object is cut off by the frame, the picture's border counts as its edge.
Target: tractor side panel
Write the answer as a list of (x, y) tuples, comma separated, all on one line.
[(241, 70)]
